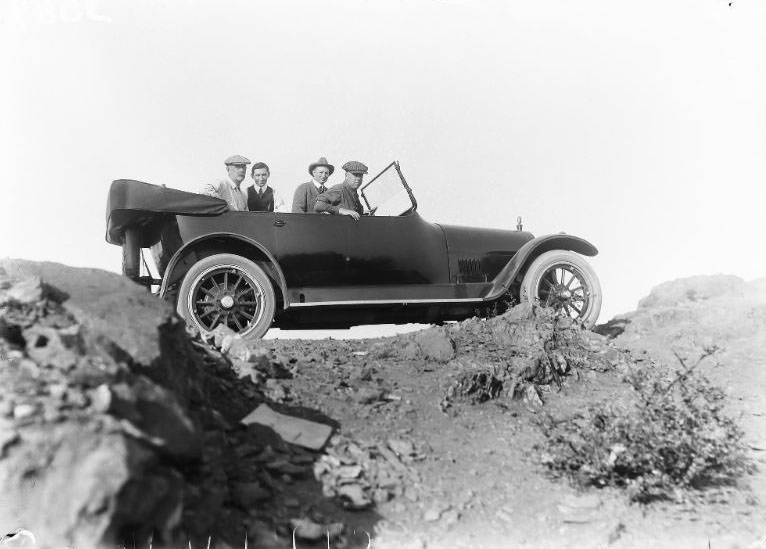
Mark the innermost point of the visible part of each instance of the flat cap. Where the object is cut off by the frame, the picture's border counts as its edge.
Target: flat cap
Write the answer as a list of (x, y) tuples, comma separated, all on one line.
[(355, 166), (236, 159)]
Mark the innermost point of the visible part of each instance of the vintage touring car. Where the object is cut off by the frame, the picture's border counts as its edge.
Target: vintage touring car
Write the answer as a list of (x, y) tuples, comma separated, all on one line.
[(254, 270)]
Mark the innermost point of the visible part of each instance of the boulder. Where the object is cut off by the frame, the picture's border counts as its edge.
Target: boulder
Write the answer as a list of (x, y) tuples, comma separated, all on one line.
[(154, 411), (435, 344), (26, 292), (692, 289), (90, 480), (119, 320), (49, 347), (94, 419), (690, 315)]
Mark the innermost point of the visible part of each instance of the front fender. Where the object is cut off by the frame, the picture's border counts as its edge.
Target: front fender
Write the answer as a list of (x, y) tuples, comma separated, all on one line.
[(531, 250), (257, 248)]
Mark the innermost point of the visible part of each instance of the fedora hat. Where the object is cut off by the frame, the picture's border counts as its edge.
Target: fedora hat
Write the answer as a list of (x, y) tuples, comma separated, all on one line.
[(321, 162)]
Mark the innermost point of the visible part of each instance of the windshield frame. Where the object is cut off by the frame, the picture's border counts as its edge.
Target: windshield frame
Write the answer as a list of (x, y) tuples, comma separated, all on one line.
[(413, 208)]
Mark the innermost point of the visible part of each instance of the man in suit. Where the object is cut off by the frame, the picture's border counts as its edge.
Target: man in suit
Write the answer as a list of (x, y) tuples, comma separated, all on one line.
[(343, 199), (260, 196), (231, 189), (306, 194)]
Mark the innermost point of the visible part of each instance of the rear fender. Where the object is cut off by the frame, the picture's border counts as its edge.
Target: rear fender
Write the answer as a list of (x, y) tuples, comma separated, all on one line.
[(515, 268), (183, 259)]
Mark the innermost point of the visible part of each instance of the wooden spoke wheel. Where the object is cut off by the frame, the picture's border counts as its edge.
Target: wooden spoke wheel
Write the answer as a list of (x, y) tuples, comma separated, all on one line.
[(227, 290)]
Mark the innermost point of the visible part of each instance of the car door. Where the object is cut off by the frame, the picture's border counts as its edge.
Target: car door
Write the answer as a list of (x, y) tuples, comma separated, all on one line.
[(311, 249), (396, 246), (396, 250)]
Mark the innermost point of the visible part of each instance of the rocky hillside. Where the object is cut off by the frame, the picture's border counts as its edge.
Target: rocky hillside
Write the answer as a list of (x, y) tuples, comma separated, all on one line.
[(120, 428)]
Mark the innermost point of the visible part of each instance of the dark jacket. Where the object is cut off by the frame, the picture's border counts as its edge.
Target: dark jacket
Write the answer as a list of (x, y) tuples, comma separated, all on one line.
[(336, 197), (305, 197)]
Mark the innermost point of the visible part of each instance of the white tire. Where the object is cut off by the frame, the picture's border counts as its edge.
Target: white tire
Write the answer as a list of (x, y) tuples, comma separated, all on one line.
[(565, 281), (230, 290)]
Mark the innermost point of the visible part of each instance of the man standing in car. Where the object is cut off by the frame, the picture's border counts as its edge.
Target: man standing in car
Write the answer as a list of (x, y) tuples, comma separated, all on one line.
[(231, 189), (343, 199), (306, 194)]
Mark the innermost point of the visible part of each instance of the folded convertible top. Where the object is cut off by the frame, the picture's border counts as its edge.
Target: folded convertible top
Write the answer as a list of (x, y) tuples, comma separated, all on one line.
[(147, 207)]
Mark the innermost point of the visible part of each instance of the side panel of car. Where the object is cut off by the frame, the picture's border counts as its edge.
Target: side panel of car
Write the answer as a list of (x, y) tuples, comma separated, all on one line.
[(258, 226), (401, 250), (311, 248)]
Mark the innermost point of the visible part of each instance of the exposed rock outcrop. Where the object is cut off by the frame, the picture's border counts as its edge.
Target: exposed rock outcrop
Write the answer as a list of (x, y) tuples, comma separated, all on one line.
[(689, 315), (94, 420)]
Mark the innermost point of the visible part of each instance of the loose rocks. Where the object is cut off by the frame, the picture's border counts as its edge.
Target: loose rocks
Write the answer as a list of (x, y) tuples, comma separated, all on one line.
[(361, 474), (96, 384)]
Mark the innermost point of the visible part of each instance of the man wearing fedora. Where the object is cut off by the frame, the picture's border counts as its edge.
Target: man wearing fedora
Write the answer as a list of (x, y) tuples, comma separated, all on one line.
[(306, 194), (342, 199), (231, 188)]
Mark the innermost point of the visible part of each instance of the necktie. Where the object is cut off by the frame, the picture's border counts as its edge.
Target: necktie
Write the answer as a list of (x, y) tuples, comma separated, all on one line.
[(240, 199), (322, 189)]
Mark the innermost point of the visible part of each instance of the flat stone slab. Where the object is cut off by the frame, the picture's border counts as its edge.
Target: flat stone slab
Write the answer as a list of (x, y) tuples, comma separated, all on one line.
[(294, 430)]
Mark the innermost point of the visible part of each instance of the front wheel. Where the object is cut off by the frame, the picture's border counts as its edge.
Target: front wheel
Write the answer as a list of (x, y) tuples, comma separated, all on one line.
[(565, 281), (228, 290)]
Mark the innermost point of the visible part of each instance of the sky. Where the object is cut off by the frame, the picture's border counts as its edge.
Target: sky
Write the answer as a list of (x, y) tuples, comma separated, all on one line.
[(639, 125)]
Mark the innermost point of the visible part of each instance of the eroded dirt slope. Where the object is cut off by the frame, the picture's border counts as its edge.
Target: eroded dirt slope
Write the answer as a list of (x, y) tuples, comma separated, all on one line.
[(131, 426)]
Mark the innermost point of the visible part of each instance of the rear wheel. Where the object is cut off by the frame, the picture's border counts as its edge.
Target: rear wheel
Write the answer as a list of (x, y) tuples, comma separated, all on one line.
[(228, 290), (565, 281)]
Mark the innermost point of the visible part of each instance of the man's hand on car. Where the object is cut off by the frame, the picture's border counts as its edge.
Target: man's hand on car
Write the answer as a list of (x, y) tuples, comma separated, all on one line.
[(350, 213)]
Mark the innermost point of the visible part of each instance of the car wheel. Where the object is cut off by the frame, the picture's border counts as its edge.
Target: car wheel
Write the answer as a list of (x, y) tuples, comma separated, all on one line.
[(565, 281), (228, 290)]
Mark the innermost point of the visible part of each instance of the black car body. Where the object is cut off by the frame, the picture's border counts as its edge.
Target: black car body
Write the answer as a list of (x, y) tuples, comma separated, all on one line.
[(330, 271)]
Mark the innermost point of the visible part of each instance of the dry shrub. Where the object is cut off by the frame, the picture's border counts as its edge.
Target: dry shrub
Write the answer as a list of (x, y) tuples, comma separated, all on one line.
[(674, 435)]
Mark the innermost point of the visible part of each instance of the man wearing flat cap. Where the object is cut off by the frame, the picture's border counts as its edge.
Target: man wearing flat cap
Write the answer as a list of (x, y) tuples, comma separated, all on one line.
[(306, 194), (231, 188), (343, 199)]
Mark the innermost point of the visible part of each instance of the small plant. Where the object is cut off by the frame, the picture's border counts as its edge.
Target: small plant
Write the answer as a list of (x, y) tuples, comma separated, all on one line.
[(674, 435), (496, 308)]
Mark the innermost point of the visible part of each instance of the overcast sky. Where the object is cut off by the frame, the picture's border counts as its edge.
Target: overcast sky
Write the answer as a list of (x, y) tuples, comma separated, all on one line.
[(639, 125)]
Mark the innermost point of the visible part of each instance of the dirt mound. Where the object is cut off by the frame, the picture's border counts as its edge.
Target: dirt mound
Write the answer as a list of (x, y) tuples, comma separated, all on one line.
[(693, 289), (688, 316), (112, 422), (122, 425), (520, 351), (117, 424), (93, 432)]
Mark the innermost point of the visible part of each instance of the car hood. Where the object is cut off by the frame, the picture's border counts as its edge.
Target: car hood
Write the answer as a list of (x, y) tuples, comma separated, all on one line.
[(477, 255), (473, 240)]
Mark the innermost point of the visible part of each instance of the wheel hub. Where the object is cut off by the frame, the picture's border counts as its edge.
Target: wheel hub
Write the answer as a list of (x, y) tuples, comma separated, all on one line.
[(564, 290), (227, 302)]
